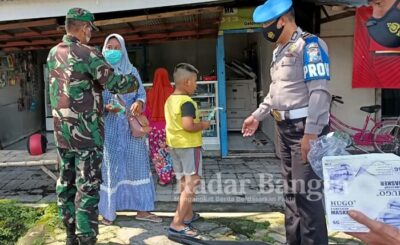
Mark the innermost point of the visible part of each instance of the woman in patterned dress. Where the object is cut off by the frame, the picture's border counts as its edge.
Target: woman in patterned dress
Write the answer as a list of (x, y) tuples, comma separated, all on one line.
[(127, 179)]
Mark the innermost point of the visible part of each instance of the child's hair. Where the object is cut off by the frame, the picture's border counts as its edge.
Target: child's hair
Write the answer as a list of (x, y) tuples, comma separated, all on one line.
[(183, 71)]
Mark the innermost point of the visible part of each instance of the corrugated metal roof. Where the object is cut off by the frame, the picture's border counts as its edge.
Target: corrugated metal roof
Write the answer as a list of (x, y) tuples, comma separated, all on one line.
[(172, 25)]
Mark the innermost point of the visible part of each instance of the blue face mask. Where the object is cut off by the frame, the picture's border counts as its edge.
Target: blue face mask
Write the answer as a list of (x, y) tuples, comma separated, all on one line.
[(113, 56)]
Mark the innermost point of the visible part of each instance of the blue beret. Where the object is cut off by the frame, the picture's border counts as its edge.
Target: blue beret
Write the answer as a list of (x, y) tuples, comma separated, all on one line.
[(271, 10)]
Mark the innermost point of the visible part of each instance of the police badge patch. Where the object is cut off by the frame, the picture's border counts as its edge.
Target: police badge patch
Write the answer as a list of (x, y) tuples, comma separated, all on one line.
[(316, 61), (314, 56)]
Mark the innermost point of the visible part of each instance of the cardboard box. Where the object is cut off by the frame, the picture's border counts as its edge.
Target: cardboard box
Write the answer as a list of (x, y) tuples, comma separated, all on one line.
[(369, 183)]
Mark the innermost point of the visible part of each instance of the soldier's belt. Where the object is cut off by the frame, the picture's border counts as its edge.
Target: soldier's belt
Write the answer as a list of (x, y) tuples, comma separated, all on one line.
[(292, 114)]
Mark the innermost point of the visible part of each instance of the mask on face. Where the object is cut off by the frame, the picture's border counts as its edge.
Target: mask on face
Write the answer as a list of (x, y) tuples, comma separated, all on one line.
[(272, 32), (113, 56), (386, 30)]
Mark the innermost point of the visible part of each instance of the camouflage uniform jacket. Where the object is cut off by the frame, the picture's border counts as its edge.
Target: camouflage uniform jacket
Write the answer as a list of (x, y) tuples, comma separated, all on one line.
[(77, 75)]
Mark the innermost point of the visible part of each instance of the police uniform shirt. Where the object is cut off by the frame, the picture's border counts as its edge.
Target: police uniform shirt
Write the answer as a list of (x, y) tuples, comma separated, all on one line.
[(299, 74)]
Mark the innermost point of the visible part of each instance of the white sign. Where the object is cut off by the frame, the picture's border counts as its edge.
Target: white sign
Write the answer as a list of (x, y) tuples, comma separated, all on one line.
[(369, 183)]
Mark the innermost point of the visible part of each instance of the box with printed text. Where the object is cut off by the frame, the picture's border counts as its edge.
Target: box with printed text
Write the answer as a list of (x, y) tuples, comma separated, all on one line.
[(369, 183)]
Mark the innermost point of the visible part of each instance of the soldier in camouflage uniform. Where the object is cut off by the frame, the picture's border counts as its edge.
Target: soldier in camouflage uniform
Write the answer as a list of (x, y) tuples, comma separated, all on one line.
[(78, 73)]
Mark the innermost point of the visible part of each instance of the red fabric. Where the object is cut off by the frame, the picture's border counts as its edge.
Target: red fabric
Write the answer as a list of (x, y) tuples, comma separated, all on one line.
[(158, 94), (374, 66)]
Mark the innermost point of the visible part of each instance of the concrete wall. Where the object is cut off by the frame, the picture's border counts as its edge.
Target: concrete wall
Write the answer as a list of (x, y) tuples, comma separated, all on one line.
[(201, 53), (15, 125)]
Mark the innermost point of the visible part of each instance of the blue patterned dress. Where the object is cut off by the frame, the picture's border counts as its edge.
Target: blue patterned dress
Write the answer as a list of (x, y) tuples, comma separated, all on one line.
[(127, 180)]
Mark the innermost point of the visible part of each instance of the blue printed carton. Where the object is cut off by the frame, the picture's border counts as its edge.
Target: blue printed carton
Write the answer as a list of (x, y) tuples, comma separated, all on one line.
[(369, 183)]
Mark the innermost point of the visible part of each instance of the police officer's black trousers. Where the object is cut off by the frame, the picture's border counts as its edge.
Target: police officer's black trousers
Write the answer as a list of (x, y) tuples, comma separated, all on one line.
[(304, 213)]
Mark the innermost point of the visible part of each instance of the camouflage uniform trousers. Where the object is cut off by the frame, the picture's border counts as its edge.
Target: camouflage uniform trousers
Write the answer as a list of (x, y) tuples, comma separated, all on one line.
[(78, 189)]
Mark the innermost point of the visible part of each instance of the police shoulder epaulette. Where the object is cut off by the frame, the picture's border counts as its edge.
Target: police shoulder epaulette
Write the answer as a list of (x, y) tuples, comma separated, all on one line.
[(305, 35)]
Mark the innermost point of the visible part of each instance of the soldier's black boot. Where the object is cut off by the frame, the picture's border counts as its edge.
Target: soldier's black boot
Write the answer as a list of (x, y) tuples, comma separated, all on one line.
[(87, 240), (71, 237), (72, 240)]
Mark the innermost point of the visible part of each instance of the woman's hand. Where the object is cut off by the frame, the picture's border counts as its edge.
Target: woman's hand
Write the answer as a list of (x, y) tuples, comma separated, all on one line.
[(112, 109), (137, 108)]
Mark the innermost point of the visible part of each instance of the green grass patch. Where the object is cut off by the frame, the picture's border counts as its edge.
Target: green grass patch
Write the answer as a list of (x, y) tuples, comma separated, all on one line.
[(343, 240), (16, 220), (43, 227), (245, 227), (50, 218)]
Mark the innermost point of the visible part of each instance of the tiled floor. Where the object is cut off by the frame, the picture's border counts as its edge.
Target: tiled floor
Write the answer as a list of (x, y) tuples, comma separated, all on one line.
[(230, 181), (234, 181)]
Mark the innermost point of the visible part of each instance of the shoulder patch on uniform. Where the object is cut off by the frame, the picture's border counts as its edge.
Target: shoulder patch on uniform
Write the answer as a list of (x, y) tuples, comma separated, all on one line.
[(315, 60), (305, 35)]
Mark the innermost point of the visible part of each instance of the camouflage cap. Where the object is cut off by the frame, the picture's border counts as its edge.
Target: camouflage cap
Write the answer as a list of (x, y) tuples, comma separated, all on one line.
[(81, 15)]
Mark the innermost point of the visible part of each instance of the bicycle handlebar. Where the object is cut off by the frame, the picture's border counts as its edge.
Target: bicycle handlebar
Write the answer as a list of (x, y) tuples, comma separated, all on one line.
[(336, 98)]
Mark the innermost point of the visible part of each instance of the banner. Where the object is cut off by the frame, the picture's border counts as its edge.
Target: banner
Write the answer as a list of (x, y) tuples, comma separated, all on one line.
[(374, 66), (238, 18)]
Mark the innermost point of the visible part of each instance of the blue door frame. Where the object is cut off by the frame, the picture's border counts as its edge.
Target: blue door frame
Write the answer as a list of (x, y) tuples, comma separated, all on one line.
[(223, 131)]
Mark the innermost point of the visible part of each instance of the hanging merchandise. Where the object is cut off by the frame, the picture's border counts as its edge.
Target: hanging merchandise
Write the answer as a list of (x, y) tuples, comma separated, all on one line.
[(30, 67), (18, 78), (33, 105), (21, 104), (4, 62), (28, 101), (22, 93), (3, 78), (25, 73), (10, 61), (11, 78), (21, 68)]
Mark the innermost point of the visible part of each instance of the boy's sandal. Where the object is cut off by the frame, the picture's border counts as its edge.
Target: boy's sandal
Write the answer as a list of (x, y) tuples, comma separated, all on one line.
[(184, 232), (106, 222), (195, 217), (151, 217)]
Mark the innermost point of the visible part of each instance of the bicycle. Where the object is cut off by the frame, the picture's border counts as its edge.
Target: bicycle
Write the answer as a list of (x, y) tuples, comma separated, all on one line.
[(384, 136)]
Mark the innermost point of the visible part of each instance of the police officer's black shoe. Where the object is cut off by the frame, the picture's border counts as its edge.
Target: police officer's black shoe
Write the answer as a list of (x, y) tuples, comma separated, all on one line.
[(87, 240), (72, 240)]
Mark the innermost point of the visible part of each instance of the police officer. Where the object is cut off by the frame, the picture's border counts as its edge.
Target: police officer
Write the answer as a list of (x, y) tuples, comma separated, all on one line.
[(77, 75), (299, 101), (384, 25)]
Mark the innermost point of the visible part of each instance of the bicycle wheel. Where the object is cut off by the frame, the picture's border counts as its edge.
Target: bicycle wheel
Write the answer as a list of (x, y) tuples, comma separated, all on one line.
[(387, 139)]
